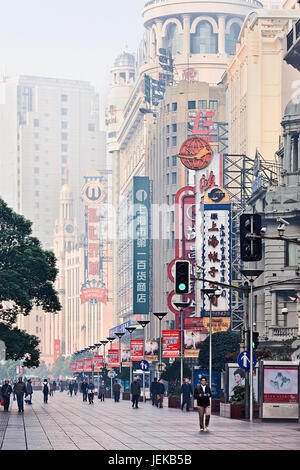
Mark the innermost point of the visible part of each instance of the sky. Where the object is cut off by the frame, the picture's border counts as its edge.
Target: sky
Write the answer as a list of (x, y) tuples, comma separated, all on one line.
[(74, 39)]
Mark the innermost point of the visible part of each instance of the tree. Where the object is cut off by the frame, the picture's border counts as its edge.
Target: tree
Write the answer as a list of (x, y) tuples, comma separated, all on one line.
[(20, 345), (224, 344), (172, 372), (27, 272), (62, 367)]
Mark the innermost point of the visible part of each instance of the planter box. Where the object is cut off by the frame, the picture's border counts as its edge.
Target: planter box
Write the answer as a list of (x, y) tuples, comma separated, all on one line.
[(174, 402), (215, 406), (126, 396), (236, 410)]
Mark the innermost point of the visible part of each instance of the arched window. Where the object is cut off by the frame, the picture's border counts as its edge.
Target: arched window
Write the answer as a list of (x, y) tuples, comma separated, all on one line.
[(173, 40), (204, 41), (232, 37)]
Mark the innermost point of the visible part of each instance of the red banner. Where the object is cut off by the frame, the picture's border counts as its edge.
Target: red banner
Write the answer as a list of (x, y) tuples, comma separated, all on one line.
[(88, 365), (98, 363), (171, 343), (93, 293), (73, 368), (79, 366), (113, 358), (136, 349), (57, 349)]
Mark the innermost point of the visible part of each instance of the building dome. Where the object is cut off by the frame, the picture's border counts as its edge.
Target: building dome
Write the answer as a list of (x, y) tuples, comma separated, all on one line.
[(125, 60), (293, 107)]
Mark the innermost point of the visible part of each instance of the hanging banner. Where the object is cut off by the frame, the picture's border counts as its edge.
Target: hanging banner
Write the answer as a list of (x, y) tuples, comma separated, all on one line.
[(141, 278), (192, 341), (125, 355), (113, 358), (98, 363), (79, 366), (216, 254), (88, 365), (151, 350), (73, 368), (170, 343), (57, 349), (136, 349)]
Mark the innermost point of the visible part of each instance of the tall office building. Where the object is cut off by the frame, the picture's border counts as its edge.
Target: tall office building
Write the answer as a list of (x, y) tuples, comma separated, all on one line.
[(49, 132)]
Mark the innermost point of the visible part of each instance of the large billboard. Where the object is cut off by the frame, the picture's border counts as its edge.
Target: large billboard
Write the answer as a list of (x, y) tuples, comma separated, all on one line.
[(141, 241), (170, 343)]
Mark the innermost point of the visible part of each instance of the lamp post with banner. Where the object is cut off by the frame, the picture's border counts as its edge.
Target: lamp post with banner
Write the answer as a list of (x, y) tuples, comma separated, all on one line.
[(111, 339), (143, 323), (119, 335), (130, 330), (160, 317)]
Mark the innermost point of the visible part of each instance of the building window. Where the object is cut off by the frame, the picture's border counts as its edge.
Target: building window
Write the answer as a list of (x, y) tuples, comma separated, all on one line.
[(64, 111), (168, 141), (174, 178), (191, 104), (174, 160), (173, 40), (168, 200), (64, 147), (204, 41), (64, 136), (168, 178), (291, 254), (173, 198), (168, 162), (64, 159), (36, 170), (174, 127), (64, 98), (202, 104), (168, 107), (91, 127), (64, 125), (231, 38), (174, 106), (213, 104), (168, 129), (174, 141), (36, 123)]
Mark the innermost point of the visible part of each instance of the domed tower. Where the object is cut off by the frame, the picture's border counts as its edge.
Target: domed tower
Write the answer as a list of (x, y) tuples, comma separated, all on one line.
[(201, 35)]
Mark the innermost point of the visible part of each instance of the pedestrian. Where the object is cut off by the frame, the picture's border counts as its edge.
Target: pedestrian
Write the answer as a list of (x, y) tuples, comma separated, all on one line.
[(187, 392), (13, 387), (51, 389), (203, 393), (84, 387), (160, 393), (54, 386), (71, 388), (90, 391), (75, 387), (6, 391), (20, 390), (116, 391), (135, 392), (29, 392), (101, 392), (46, 390), (154, 390)]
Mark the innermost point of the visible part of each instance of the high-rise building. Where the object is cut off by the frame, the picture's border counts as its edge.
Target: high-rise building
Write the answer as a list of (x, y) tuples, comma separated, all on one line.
[(49, 132)]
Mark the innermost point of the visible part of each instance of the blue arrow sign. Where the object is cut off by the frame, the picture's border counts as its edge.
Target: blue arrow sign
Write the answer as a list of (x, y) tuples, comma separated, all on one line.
[(144, 365), (244, 360)]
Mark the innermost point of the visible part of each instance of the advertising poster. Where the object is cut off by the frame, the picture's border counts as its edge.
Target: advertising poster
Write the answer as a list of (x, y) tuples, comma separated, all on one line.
[(170, 343), (98, 363), (73, 367), (88, 365), (236, 378), (79, 366), (125, 355), (136, 349), (113, 358), (192, 341), (281, 384), (151, 350)]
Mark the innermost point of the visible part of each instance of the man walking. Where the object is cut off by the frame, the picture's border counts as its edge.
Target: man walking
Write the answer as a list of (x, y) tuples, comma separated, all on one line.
[(46, 390), (71, 388), (75, 387), (20, 391), (135, 392), (84, 387), (90, 391), (160, 393), (6, 391), (101, 391), (116, 391), (187, 392), (154, 390), (29, 392), (202, 394)]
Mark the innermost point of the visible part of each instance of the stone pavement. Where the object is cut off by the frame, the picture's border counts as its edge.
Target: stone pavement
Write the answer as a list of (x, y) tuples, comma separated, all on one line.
[(68, 423)]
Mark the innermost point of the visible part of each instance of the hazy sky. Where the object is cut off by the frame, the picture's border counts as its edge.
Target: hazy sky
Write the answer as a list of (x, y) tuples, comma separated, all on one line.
[(76, 39)]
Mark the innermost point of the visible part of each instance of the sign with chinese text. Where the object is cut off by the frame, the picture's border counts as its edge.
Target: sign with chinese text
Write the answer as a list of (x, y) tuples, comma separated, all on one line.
[(170, 343), (281, 384), (57, 349), (136, 349), (73, 368), (79, 366), (141, 279), (113, 358), (98, 363), (88, 365)]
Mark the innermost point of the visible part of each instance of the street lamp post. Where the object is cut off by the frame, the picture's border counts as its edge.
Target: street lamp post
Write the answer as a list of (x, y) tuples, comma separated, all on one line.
[(130, 330), (143, 323), (182, 306), (119, 335), (211, 293), (160, 317), (111, 339), (104, 343)]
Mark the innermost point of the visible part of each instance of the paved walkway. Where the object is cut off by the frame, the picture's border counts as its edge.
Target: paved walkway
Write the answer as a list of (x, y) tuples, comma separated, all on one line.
[(67, 423)]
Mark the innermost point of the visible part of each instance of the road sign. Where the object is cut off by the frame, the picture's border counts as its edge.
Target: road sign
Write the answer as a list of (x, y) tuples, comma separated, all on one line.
[(144, 365), (111, 374), (244, 360), (161, 366)]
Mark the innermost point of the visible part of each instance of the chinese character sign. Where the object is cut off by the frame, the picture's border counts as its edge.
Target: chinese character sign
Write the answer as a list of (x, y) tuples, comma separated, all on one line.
[(79, 366), (98, 363), (88, 365), (113, 358), (136, 349), (217, 250), (170, 343), (141, 196)]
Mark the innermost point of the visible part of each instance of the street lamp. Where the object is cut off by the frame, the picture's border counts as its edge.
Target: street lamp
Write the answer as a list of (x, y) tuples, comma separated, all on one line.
[(119, 335), (211, 293), (111, 339), (143, 324), (160, 317), (130, 330), (182, 306)]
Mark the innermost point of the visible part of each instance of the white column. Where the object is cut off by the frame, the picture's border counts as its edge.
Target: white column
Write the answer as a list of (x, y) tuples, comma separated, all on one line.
[(159, 34), (221, 35), (274, 309), (186, 34)]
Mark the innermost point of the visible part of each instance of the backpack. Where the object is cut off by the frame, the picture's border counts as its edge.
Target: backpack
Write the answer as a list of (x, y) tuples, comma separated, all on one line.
[(45, 388)]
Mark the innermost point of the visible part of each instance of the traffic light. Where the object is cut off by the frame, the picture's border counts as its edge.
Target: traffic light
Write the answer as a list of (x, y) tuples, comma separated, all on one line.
[(182, 277), (251, 248), (255, 339)]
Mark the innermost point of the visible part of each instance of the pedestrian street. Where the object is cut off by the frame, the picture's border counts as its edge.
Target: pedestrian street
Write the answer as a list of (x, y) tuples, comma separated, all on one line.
[(68, 423)]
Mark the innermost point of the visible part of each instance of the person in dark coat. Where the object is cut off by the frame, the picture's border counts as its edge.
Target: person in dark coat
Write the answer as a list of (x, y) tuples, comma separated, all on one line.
[(160, 393), (116, 391), (187, 392), (101, 392), (84, 387), (29, 392), (46, 390), (75, 387), (71, 388), (6, 391), (20, 390), (154, 390), (135, 392), (203, 394)]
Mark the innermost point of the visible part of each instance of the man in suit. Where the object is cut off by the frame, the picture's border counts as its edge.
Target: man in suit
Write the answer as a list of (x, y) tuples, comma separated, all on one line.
[(203, 394)]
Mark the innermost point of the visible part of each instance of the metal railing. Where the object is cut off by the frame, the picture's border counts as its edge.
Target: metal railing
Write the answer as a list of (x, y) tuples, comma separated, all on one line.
[(283, 332)]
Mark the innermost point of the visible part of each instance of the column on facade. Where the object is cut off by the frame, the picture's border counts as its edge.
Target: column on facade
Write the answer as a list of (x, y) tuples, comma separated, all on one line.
[(274, 308), (159, 38), (288, 150), (221, 34), (186, 34), (298, 310)]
